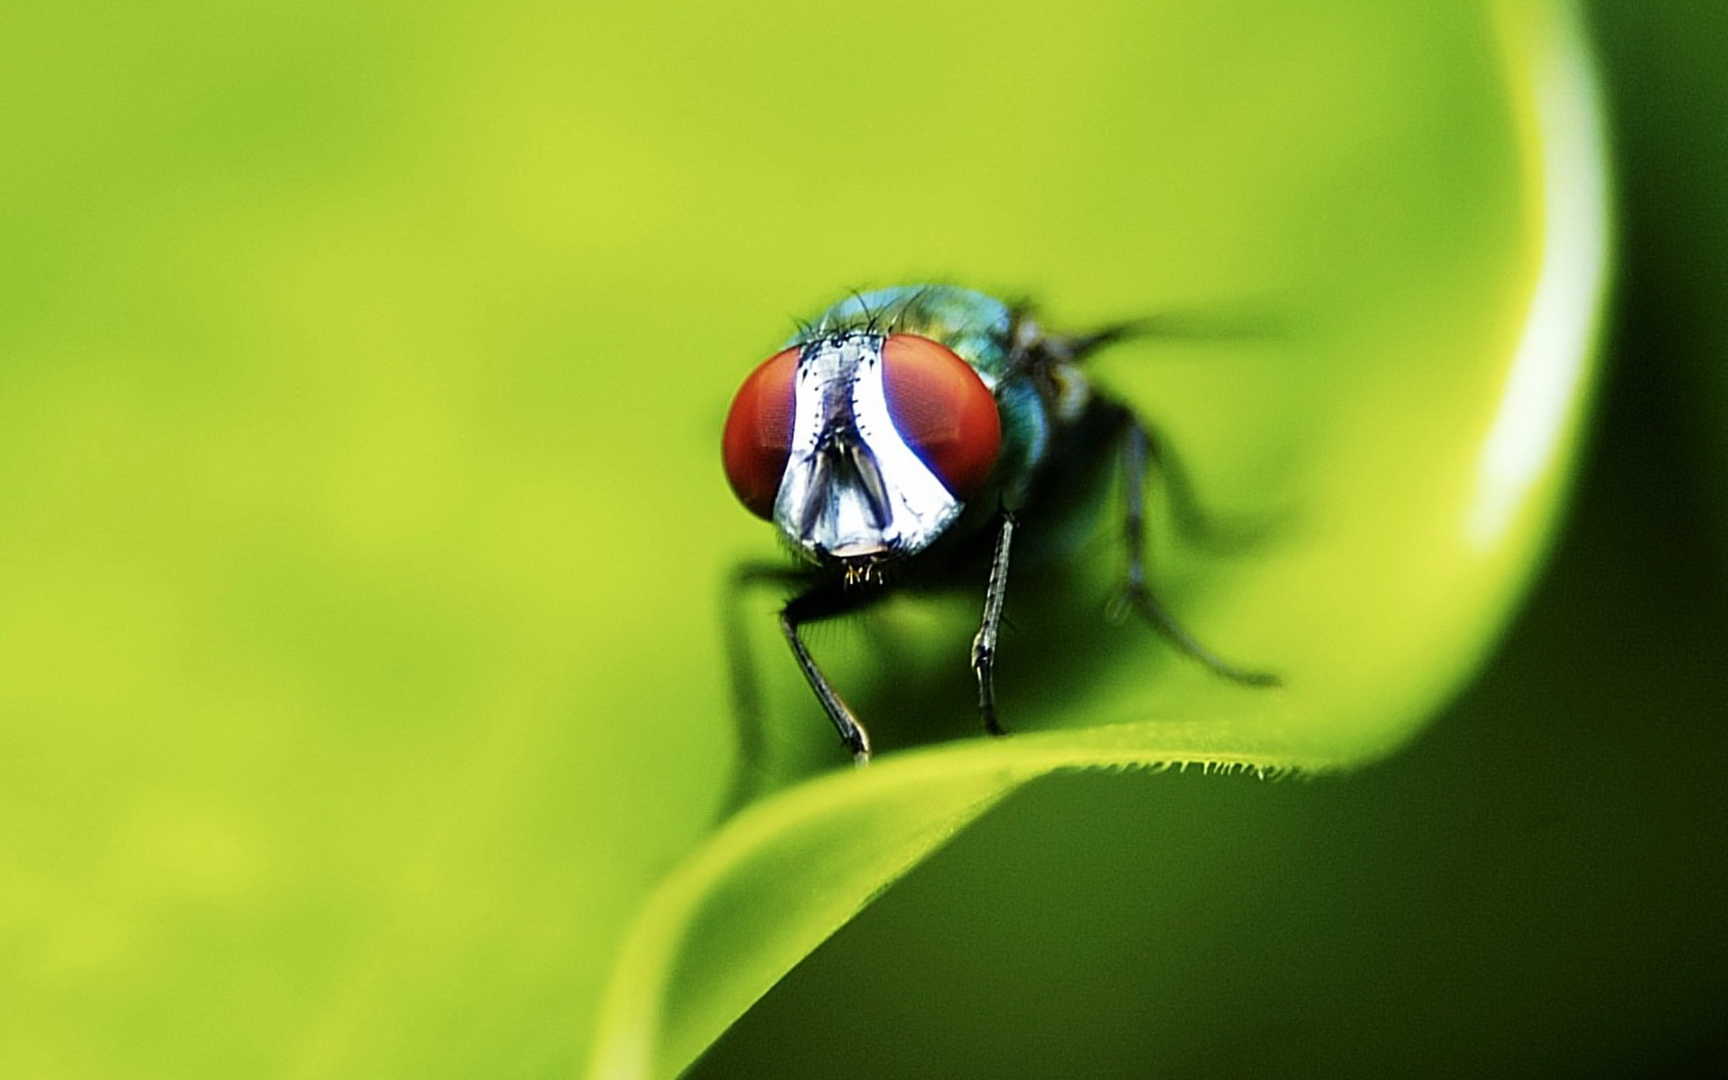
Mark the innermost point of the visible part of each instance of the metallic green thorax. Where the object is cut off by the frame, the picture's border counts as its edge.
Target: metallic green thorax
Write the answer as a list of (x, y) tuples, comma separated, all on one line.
[(976, 327), (990, 336)]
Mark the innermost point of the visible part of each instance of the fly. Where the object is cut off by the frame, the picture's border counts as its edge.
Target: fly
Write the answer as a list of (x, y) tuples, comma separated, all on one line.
[(917, 430)]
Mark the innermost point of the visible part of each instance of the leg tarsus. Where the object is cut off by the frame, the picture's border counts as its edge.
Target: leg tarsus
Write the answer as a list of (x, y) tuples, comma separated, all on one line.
[(1138, 598)]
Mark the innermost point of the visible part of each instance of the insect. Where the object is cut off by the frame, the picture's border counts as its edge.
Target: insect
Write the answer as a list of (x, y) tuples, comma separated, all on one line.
[(917, 431)]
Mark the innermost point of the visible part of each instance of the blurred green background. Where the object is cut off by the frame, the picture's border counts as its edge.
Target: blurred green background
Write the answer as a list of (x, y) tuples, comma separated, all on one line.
[(359, 374)]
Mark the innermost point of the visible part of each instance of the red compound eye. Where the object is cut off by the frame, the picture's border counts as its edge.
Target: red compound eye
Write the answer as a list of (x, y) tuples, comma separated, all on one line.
[(943, 410), (758, 435)]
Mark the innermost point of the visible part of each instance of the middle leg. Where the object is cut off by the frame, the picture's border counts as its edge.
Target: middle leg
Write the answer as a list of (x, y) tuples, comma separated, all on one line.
[(984, 644)]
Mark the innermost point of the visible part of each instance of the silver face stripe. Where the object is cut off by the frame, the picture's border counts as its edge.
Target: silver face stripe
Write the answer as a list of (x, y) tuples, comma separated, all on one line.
[(852, 487)]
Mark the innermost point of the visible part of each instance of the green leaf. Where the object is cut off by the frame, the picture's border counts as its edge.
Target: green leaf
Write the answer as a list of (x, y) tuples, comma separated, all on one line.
[(1415, 429), (365, 532)]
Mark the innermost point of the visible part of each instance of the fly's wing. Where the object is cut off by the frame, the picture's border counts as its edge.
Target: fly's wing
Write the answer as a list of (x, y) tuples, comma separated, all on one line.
[(1241, 324)]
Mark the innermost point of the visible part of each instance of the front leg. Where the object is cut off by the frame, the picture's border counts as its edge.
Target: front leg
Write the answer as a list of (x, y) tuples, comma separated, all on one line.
[(984, 644), (749, 771), (821, 602)]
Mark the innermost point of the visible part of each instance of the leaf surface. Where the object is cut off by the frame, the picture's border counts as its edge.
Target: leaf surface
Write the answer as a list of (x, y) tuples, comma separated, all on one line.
[(1412, 427)]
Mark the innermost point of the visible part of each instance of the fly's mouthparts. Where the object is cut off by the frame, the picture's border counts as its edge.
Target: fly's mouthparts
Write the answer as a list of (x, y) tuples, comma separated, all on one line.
[(863, 571)]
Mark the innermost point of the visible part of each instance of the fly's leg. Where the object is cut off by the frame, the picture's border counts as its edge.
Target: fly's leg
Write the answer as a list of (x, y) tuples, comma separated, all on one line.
[(821, 602), (746, 694), (1192, 523), (984, 644), (750, 773), (1137, 448)]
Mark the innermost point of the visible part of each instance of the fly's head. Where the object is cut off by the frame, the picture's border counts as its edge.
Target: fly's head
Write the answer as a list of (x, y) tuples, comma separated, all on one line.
[(861, 446)]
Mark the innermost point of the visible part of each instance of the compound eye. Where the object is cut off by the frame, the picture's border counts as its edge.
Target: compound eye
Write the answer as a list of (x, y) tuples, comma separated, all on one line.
[(943, 410), (758, 436)]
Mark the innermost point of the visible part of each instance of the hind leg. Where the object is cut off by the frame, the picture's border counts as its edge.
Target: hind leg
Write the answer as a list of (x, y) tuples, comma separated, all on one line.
[(1137, 448)]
